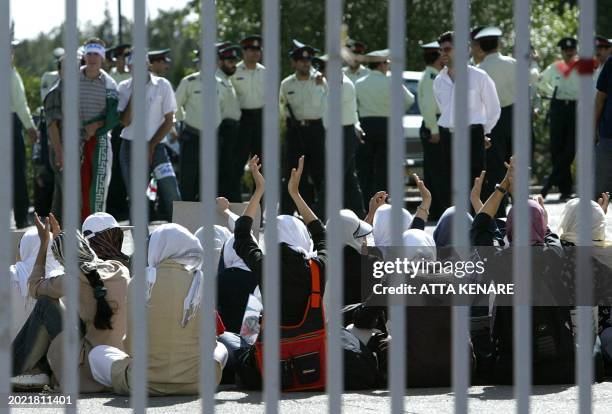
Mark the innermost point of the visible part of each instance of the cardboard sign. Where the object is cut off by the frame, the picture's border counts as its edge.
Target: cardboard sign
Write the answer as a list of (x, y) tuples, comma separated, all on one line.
[(187, 214)]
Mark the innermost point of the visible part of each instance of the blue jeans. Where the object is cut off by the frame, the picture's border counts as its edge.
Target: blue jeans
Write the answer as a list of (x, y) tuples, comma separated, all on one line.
[(163, 172)]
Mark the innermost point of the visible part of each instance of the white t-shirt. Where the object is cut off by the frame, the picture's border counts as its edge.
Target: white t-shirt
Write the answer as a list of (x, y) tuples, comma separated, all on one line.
[(160, 101)]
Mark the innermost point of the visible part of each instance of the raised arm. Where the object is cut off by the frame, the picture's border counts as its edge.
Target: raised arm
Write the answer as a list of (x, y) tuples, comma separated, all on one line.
[(423, 208), (294, 191), (491, 206)]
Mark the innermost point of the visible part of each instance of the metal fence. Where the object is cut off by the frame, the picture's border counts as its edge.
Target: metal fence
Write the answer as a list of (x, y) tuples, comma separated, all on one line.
[(271, 35)]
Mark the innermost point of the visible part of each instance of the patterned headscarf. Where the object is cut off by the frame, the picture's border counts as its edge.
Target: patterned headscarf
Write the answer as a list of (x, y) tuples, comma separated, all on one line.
[(86, 257), (107, 245)]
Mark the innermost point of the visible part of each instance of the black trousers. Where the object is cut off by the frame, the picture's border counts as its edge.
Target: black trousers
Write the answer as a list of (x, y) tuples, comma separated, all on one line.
[(500, 152), (249, 140), (308, 140), (436, 171), (477, 155), (562, 144), (21, 202), (228, 181), (189, 179), (371, 158), (353, 198), (116, 200)]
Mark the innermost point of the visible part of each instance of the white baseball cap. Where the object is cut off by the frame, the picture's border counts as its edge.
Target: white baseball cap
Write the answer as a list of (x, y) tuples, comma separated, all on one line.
[(99, 222)]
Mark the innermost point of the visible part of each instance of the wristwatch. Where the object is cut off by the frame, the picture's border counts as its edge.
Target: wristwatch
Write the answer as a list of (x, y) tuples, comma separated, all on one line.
[(501, 189)]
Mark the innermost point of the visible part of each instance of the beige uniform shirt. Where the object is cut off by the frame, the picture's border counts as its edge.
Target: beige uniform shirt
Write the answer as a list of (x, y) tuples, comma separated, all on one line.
[(426, 100), (551, 78), (19, 103), (358, 74), (374, 95), (189, 101), (249, 85), (228, 99), (305, 97), (349, 104), (502, 69), (47, 81)]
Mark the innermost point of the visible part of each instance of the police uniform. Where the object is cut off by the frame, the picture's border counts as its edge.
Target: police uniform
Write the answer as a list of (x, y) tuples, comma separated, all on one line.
[(502, 69), (561, 84), (189, 103), (353, 197), (229, 130), (116, 200), (157, 55), (302, 107), (249, 85), (603, 47), (433, 157), (374, 107), (358, 49)]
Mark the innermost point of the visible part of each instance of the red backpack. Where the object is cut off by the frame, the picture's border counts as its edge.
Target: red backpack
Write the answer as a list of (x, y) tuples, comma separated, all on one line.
[(302, 346)]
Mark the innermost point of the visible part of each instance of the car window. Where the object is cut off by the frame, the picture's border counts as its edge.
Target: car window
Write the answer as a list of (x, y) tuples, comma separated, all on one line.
[(412, 85)]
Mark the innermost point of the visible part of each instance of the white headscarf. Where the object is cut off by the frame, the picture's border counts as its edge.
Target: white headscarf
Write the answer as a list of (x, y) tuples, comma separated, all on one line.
[(383, 226), (230, 257), (353, 229), (421, 245), (221, 235), (28, 250), (294, 233), (568, 225), (175, 242)]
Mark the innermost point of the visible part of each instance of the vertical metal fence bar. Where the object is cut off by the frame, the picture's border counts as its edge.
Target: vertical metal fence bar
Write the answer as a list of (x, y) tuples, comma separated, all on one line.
[(522, 252), (396, 149), (6, 202), (139, 210), (271, 151), (584, 137), (208, 189), (461, 162), (334, 179), (71, 213)]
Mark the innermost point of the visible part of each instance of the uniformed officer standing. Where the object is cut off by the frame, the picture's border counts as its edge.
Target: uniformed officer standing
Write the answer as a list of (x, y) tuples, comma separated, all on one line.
[(189, 111), (355, 70), (160, 62), (249, 84), (603, 49), (353, 198), (49, 78), (229, 129), (433, 159), (22, 119), (560, 83), (502, 69), (302, 100), (476, 53), (374, 107), (116, 200)]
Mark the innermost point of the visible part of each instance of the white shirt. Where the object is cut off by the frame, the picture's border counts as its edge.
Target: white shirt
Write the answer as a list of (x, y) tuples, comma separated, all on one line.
[(349, 104), (483, 103), (160, 101), (249, 85)]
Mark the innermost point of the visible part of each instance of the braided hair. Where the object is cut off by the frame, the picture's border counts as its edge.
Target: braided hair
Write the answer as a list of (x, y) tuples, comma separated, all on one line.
[(88, 263)]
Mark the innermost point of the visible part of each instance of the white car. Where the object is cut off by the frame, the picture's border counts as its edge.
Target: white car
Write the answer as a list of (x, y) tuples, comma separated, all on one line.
[(412, 123)]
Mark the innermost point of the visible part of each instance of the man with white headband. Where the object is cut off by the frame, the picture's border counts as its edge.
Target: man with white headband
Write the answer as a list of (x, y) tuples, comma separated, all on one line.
[(98, 101)]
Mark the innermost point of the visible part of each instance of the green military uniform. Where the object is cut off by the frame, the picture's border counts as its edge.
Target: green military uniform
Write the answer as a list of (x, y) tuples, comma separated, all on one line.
[(560, 83)]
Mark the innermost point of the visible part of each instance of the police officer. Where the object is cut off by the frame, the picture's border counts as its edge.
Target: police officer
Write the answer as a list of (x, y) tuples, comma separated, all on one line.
[(22, 119), (116, 200), (189, 112), (49, 78), (502, 70), (302, 100), (559, 82), (229, 129), (603, 49), (353, 198), (433, 159), (374, 107), (476, 53), (160, 61), (249, 84), (355, 70)]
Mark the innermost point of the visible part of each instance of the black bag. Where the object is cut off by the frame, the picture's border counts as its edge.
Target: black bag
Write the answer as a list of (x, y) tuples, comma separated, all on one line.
[(361, 368)]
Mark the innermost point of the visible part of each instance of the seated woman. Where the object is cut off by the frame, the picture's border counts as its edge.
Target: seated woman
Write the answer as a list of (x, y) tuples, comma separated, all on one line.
[(174, 292), (297, 249), (102, 310), (105, 237), (221, 235), (21, 303)]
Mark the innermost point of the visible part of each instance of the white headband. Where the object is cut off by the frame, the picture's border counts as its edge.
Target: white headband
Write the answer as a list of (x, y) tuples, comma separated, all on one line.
[(95, 48)]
